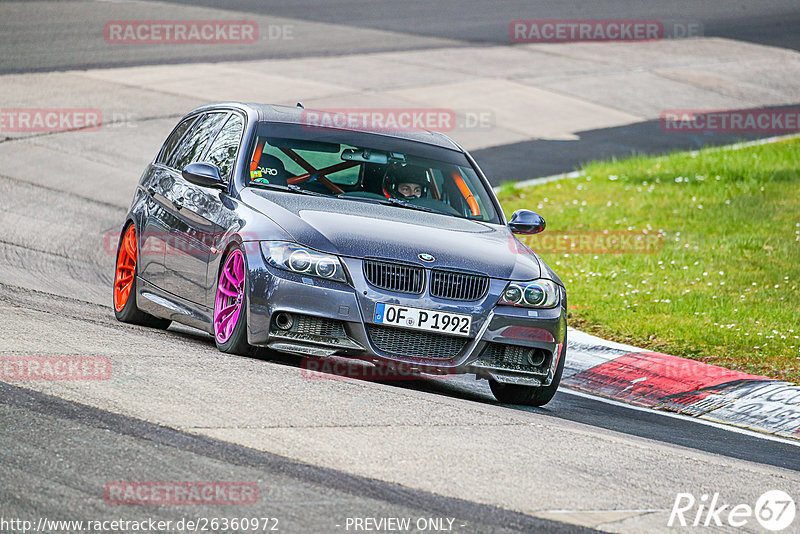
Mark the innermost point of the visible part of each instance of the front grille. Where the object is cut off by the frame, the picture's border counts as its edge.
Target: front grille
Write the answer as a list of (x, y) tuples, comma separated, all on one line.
[(395, 276), (458, 286), (415, 344)]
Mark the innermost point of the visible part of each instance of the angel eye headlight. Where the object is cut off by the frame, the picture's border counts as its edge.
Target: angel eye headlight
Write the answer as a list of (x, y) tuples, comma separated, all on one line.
[(534, 295), (512, 294), (298, 259), (540, 293), (326, 267)]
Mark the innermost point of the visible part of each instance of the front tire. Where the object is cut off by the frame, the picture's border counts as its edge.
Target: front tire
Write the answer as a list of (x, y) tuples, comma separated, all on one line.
[(230, 306), (529, 395), (125, 274)]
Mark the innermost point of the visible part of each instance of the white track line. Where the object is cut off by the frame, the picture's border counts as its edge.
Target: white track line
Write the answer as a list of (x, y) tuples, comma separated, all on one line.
[(721, 426), (644, 511)]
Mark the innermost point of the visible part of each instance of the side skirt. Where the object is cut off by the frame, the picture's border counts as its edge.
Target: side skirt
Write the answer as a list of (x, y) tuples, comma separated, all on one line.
[(160, 303)]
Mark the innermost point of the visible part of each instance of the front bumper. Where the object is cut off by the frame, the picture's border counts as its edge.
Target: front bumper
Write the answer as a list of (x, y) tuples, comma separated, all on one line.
[(507, 344)]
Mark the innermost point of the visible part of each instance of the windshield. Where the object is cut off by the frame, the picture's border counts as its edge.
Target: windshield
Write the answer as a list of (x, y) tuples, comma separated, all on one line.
[(363, 173)]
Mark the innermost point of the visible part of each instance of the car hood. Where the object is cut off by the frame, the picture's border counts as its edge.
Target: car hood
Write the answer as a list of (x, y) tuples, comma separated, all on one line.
[(370, 230)]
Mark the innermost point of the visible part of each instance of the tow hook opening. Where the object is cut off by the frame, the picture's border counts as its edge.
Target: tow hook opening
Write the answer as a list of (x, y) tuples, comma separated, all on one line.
[(284, 321)]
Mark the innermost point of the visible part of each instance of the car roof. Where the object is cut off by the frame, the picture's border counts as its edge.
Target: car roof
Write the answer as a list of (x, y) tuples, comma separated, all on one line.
[(294, 115)]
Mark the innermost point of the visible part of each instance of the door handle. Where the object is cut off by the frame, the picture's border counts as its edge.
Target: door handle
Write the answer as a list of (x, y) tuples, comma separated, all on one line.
[(178, 203)]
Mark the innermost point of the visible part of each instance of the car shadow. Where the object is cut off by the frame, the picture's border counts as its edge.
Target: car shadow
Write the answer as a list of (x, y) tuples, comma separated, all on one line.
[(464, 387)]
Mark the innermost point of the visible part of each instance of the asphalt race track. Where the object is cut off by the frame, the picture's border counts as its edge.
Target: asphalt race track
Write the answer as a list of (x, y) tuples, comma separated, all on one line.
[(409, 25), (321, 451), (738, 66), (303, 498)]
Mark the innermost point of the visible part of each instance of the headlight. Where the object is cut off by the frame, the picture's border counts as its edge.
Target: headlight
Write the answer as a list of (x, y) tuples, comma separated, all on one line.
[(536, 294), (295, 258)]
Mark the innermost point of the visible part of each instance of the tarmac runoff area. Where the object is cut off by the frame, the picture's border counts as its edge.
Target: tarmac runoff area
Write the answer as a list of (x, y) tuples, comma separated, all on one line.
[(525, 111)]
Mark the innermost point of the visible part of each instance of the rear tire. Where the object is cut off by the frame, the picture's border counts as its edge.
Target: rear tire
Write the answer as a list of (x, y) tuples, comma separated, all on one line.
[(529, 395), (126, 271), (230, 306)]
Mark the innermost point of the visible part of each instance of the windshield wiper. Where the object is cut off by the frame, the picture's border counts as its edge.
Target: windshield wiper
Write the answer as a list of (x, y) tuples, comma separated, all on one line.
[(391, 202), (291, 188), (297, 189), (405, 204)]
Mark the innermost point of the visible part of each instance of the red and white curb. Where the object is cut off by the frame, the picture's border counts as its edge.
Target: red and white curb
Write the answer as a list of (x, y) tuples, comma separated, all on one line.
[(680, 385)]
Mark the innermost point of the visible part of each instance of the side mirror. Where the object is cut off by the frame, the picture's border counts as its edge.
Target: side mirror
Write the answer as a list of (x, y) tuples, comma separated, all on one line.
[(204, 175), (526, 222)]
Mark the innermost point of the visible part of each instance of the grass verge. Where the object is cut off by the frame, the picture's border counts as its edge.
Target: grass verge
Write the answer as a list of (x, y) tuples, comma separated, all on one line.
[(692, 254)]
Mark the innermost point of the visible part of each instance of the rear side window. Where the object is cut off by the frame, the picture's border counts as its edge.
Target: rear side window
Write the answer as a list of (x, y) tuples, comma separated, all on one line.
[(224, 148), (172, 140), (194, 143)]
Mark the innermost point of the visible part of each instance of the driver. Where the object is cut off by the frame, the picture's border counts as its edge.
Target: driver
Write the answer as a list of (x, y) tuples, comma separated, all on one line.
[(406, 182), (409, 189)]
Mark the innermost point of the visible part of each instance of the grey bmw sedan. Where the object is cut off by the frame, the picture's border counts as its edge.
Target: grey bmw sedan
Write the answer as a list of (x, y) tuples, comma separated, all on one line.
[(388, 247)]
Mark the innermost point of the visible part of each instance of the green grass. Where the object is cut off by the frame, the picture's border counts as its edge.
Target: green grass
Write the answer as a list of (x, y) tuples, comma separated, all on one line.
[(722, 284)]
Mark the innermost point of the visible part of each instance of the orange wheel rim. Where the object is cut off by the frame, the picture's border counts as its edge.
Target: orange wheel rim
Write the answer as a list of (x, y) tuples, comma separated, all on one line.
[(126, 269)]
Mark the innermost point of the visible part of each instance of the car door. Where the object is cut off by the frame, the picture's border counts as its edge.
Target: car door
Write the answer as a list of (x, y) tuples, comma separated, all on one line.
[(186, 252), (222, 215), (154, 231), (203, 210)]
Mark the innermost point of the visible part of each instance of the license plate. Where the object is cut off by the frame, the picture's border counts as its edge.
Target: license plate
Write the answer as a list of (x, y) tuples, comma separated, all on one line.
[(456, 324)]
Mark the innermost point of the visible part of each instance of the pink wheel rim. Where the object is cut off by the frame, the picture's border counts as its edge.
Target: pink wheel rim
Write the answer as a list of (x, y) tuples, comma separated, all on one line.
[(230, 295)]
